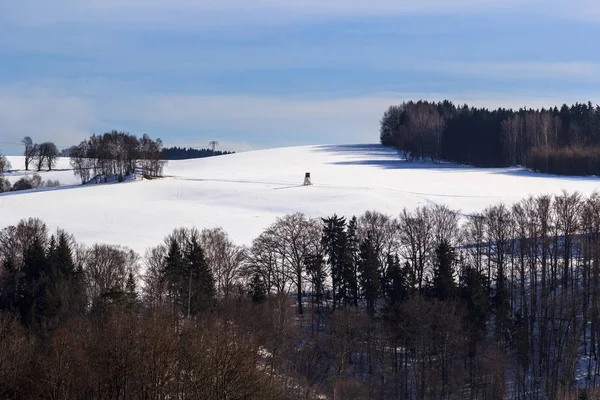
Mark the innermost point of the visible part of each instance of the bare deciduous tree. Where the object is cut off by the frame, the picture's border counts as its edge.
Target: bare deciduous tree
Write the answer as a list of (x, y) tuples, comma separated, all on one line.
[(224, 258), (30, 151)]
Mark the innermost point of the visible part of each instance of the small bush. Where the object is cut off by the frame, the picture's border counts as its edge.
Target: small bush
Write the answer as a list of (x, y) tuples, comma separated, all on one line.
[(5, 185), (35, 182), (51, 183), (22, 184)]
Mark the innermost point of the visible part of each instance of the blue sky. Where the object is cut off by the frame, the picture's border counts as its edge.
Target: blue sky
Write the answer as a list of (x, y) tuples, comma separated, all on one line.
[(267, 73)]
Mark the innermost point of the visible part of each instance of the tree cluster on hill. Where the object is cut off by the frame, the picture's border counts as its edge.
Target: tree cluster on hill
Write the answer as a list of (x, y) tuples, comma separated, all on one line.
[(43, 155), (116, 154), (557, 140), (502, 304), (181, 153)]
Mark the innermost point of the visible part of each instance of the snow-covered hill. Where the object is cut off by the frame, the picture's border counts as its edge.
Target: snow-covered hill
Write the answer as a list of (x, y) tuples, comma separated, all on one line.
[(62, 171), (245, 192)]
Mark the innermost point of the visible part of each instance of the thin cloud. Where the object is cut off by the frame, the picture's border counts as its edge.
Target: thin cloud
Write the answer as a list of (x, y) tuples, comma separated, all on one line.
[(583, 71), (200, 14)]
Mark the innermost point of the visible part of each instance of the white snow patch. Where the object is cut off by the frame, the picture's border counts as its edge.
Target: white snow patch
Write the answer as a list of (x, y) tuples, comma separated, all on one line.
[(245, 192)]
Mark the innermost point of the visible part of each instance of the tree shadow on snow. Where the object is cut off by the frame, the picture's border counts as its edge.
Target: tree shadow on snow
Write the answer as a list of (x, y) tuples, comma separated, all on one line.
[(525, 173), (376, 155)]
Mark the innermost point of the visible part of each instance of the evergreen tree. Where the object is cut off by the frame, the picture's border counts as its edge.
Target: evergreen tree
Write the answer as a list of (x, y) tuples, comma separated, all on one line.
[(350, 265), (396, 287), (395, 282), (476, 297), (315, 267), (199, 293), (334, 243), (173, 270), (131, 294), (9, 285), (37, 305), (369, 274), (258, 290), (444, 286)]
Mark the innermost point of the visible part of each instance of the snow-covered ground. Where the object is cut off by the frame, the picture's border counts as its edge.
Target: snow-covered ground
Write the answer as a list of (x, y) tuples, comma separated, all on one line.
[(61, 172), (245, 192)]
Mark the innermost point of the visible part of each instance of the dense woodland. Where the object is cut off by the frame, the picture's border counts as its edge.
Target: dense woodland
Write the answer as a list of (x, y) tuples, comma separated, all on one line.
[(116, 154), (562, 140), (422, 305), (184, 153)]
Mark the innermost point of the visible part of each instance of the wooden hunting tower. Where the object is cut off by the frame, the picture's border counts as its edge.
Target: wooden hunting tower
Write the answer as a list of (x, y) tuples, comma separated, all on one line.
[(307, 181)]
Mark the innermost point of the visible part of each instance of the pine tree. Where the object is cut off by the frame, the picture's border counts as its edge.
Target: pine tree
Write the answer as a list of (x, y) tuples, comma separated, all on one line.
[(395, 282), (200, 289), (476, 297), (173, 270), (37, 304), (350, 266), (315, 267), (444, 286), (9, 285), (131, 295), (369, 274), (258, 290), (334, 243), (396, 289)]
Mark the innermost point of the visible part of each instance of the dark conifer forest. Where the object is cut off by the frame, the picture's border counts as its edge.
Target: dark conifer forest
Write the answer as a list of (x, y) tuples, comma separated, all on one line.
[(562, 140), (184, 153), (501, 304)]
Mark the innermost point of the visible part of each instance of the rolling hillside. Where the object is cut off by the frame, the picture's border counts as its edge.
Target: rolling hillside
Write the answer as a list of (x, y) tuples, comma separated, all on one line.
[(245, 192)]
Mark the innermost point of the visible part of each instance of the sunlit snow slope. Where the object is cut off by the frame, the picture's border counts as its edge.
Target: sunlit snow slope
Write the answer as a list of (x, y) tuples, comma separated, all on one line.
[(62, 171), (245, 192)]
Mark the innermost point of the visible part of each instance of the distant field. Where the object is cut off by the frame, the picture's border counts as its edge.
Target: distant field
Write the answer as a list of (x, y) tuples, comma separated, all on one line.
[(245, 192)]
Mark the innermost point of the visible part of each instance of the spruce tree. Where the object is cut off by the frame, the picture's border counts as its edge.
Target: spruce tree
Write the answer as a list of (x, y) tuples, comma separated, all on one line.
[(395, 283), (173, 270), (369, 274), (315, 267), (199, 292), (350, 267), (9, 285), (258, 291), (444, 286), (131, 294), (37, 304), (334, 243)]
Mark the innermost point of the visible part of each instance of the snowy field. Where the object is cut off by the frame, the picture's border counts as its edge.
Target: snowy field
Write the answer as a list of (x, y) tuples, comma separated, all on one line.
[(245, 192), (62, 172)]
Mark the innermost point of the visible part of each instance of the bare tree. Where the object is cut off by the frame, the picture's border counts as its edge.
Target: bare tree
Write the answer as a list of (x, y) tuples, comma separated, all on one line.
[(30, 151), (382, 230), (16, 355), (81, 162), (295, 236), (224, 258), (418, 240), (155, 285), (107, 269)]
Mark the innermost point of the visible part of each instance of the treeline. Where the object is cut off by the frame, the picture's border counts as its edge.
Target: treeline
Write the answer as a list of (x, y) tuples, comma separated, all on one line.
[(557, 140), (182, 153), (116, 154), (425, 305)]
